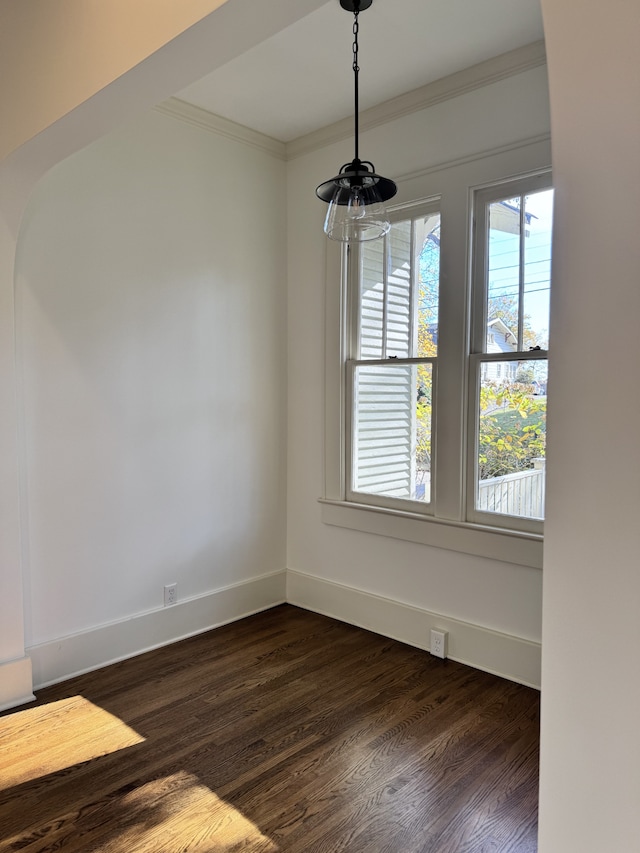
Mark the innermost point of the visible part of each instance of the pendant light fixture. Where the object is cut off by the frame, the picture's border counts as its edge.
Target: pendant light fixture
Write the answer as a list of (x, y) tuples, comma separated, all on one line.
[(356, 196)]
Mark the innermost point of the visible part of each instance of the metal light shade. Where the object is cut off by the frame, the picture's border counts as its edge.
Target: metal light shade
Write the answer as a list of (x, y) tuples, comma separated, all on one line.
[(356, 195), (356, 199)]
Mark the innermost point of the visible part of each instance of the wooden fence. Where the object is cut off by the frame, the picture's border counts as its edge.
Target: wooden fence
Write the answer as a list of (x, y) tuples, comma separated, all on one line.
[(519, 494)]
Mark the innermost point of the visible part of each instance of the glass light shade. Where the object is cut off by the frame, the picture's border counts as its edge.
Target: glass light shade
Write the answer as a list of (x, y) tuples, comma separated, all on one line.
[(363, 216), (356, 198)]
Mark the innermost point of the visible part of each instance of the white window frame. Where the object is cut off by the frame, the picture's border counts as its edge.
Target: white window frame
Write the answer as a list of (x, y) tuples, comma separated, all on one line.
[(352, 272), (478, 355), (454, 184)]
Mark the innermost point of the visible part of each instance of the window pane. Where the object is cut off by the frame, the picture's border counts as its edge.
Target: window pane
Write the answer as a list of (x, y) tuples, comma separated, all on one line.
[(392, 430), (511, 438), (428, 242), (537, 269), (372, 300), (399, 287), (503, 286), (399, 321), (519, 272)]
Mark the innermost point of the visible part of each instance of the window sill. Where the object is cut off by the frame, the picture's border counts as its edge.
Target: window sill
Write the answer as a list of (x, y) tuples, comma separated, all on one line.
[(509, 546)]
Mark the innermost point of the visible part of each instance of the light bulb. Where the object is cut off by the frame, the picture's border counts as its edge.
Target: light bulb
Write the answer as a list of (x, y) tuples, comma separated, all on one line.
[(356, 208)]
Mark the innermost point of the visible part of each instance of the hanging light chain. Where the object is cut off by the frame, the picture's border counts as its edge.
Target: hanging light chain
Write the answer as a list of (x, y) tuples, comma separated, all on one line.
[(356, 69), (356, 27)]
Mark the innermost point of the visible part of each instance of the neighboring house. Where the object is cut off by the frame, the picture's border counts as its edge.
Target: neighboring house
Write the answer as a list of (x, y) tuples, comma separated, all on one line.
[(500, 339)]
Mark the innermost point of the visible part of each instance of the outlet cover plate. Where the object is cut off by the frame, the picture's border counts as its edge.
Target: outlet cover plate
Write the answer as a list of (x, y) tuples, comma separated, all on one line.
[(170, 594), (438, 643)]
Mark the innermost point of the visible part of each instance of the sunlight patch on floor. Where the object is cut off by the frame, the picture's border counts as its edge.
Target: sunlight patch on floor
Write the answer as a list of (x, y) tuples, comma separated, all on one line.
[(170, 813), (177, 813), (53, 737)]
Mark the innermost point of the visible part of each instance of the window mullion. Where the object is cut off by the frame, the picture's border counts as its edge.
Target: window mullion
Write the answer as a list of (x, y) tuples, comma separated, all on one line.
[(521, 261), (354, 268), (480, 273), (386, 261), (413, 291)]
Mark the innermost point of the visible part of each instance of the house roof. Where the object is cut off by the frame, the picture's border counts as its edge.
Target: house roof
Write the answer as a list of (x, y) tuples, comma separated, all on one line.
[(509, 339)]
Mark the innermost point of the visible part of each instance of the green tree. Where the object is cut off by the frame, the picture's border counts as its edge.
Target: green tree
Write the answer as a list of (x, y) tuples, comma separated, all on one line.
[(428, 293), (512, 429), (525, 375)]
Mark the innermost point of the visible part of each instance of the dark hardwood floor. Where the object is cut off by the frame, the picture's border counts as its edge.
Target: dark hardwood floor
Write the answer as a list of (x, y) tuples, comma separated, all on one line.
[(286, 731)]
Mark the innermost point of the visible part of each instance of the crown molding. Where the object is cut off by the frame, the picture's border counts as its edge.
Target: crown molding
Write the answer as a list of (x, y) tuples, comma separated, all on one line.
[(197, 117), (483, 74)]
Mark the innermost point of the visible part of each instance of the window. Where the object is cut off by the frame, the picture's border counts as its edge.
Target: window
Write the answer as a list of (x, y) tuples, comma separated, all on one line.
[(392, 372), (508, 372), (437, 349)]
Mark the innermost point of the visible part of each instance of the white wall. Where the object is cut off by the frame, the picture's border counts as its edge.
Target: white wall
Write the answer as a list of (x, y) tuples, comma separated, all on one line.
[(590, 768), (151, 306), (69, 90), (485, 593)]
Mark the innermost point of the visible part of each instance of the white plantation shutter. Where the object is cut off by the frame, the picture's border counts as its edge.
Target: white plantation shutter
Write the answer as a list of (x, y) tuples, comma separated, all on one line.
[(384, 430), (400, 292), (385, 394), (372, 300)]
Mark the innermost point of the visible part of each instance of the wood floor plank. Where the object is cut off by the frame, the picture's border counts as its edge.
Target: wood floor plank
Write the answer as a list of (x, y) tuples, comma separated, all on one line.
[(287, 732)]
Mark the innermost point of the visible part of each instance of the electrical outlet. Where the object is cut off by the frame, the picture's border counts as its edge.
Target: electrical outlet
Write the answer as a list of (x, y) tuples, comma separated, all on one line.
[(170, 594), (438, 645)]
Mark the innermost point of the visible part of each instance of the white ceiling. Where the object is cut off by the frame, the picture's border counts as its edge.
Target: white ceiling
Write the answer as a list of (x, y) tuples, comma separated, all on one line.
[(301, 79)]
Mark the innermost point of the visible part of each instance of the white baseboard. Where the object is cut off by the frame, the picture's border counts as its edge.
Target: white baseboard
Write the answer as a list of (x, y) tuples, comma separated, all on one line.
[(491, 651), (15, 683), (501, 654), (73, 655)]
